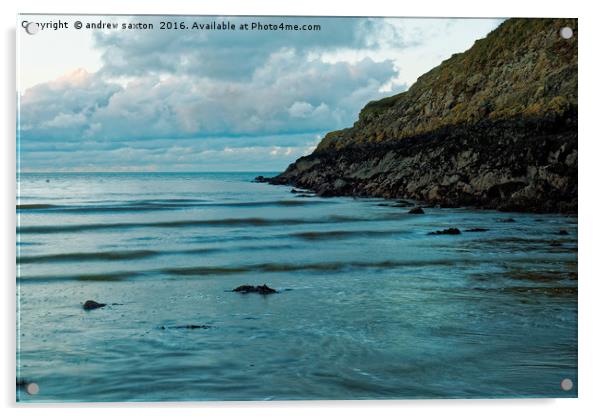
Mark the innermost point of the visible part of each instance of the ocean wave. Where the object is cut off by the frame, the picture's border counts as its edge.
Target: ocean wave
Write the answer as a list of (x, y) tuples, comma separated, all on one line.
[(309, 267), (136, 254), (88, 256), (94, 277), (337, 234), (249, 268), (160, 205), (252, 221), (35, 206)]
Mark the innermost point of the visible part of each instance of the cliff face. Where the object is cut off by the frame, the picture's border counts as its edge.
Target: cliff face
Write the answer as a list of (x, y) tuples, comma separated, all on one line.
[(494, 127)]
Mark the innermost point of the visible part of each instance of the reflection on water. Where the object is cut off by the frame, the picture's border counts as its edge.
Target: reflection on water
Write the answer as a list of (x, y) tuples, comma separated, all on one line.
[(369, 305)]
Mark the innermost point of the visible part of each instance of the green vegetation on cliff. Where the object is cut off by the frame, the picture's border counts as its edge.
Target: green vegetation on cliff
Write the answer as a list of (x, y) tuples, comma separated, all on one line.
[(521, 69)]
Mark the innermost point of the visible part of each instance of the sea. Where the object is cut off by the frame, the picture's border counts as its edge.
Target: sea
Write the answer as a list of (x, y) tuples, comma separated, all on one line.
[(369, 303)]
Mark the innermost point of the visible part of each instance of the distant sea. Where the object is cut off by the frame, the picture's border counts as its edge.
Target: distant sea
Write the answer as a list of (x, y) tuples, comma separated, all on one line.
[(370, 305)]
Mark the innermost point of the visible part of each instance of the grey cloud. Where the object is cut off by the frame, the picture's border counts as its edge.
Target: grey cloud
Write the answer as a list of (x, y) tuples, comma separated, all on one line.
[(232, 54)]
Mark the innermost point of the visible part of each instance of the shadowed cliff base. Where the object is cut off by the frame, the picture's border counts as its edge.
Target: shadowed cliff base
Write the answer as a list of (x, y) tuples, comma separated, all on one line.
[(494, 127)]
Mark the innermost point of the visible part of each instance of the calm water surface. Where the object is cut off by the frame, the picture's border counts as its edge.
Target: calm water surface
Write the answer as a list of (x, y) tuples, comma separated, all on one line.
[(370, 305)]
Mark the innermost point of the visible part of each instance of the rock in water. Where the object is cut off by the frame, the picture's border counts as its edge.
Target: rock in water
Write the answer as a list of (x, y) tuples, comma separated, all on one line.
[(90, 304), (244, 289), (416, 210), (498, 133), (448, 231), (186, 327), (263, 289), (476, 230)]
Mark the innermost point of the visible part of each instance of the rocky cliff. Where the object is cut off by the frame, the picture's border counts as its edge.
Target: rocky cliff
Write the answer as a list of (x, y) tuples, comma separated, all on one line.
[(493, 127)]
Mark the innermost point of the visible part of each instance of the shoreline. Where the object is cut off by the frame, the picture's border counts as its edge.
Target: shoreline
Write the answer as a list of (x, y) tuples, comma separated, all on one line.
[(400, 202), (516, 165)]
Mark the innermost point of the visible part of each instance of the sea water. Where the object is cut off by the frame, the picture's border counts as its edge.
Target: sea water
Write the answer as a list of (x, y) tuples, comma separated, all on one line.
[(369, 304)]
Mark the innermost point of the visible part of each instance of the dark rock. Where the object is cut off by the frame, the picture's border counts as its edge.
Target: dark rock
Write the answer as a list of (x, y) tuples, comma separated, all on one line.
[(262, 290), (497, 152), (326, 190), (244, 288), (192, 327), (506, 220), (416, 210), (447, 231), (261, 179), (186, 327), (90, 304), (476, 230), (563, 232)]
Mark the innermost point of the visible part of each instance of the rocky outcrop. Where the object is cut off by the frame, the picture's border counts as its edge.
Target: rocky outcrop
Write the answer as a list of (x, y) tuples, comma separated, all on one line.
[(494, 127), (90, 304), (447, 231), (416, 210), (261, 289)]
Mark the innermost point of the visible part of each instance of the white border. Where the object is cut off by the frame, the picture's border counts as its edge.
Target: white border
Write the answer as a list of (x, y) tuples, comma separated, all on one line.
[(589, 216)]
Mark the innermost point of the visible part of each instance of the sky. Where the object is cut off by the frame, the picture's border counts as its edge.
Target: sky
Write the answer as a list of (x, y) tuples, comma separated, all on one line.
[(202, 100)]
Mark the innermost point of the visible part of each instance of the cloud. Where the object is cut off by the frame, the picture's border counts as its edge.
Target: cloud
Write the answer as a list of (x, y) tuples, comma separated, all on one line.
[(63, 108), (227, 54), (300, 109), (288, 94), (209, 100)]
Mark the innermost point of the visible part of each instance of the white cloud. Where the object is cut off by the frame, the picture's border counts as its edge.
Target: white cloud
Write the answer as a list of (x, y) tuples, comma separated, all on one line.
[(65, 120), (300, 109)]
